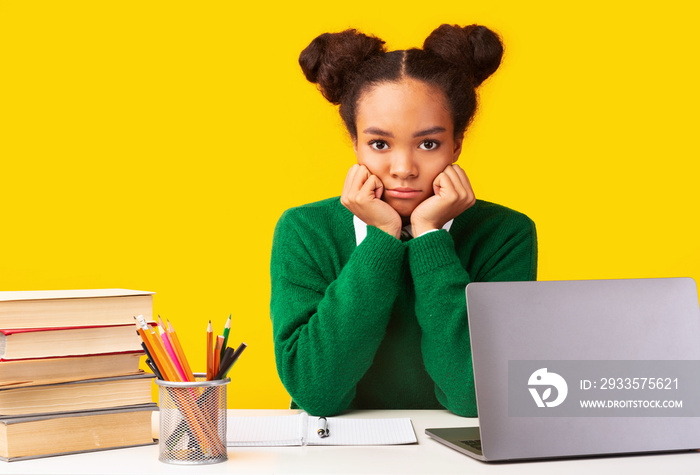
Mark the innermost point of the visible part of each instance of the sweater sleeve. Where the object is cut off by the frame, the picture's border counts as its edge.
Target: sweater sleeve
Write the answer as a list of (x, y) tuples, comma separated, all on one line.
[(327, 328), (440, 280)]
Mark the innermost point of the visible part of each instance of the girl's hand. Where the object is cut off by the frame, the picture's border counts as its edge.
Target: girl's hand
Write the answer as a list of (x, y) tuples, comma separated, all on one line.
[(453, 195), (362, 195)]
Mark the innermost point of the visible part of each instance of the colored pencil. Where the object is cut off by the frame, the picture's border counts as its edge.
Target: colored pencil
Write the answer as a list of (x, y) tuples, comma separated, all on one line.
[(171, 353), (146, 338), (205, 434), (217, 353), (210, 352), (175, 341), (227, 330), (171, 373)]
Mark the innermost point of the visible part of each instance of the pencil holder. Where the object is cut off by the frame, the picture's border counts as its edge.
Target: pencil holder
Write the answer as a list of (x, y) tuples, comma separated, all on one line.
[(192, 421)]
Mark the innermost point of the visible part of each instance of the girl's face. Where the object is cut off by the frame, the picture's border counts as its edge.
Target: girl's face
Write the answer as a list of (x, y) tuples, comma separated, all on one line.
[(405, 137)]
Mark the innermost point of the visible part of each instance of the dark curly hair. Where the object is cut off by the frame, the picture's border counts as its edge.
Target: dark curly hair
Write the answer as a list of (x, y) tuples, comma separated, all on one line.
[(454, 59)]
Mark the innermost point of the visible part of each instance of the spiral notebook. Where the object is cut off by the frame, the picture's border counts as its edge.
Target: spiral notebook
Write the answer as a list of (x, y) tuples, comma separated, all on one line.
[(301, 429)]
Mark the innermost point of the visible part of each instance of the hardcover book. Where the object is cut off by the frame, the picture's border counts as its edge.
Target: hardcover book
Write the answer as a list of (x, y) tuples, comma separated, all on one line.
[(77, 395), (46, 435), (35, 371), (71, 341), (73, 308)]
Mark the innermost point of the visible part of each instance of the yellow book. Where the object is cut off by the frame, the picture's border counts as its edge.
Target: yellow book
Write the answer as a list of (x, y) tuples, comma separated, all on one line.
[(73, 308), (36, 371), (77, 396), (75, 432), (46, 342)]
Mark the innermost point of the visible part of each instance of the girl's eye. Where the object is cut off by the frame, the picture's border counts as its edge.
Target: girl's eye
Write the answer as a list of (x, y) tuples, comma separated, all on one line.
[(429, 145), (378, 144)]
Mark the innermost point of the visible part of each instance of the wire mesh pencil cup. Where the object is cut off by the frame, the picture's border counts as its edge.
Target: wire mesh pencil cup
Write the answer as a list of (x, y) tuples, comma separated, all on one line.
[(192, 421)]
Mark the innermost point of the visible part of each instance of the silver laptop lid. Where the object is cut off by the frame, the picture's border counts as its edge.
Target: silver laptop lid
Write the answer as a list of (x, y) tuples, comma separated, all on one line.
[(605, 339)]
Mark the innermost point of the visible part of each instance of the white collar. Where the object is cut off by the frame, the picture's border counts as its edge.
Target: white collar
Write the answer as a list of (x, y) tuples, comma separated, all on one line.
[(361, 228)]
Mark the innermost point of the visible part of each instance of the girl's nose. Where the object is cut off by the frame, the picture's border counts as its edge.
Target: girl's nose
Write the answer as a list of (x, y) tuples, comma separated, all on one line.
[(403, 165)]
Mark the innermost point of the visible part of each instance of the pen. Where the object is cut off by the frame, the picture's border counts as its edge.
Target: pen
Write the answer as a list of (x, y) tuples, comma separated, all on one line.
[(141, 329), (234, 357), (323, 427), (154, 369), (226, 361), (150, 361)]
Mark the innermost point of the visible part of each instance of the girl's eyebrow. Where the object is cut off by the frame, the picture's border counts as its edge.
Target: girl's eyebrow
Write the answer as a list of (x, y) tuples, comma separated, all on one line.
[(376, 131), (430, 131)]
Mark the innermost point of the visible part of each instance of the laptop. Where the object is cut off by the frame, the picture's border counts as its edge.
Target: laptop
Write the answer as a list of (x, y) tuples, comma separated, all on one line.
[(582, 368)]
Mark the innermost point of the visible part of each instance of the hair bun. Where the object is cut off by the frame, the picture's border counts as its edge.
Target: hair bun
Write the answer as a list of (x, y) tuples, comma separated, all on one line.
[(331, 57), (474, 48)]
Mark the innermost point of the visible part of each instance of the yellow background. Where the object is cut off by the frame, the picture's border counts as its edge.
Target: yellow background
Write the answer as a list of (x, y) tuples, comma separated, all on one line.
[(153, 145)]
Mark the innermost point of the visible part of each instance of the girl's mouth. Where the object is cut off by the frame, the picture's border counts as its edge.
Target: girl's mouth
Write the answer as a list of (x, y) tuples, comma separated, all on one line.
[(403, 192)]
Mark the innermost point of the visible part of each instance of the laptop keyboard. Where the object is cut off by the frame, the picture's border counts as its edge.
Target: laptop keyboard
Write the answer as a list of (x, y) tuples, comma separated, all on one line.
[(475, 444)]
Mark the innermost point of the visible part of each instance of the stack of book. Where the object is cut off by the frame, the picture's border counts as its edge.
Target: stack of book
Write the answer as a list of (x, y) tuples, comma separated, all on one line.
[(69, 372)]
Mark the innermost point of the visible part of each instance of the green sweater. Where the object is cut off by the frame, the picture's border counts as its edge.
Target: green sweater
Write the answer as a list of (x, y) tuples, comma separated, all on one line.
[(383, 325)]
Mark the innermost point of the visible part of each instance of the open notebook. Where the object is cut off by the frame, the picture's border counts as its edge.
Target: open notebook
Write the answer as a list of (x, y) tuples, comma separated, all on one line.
[(301, 429)]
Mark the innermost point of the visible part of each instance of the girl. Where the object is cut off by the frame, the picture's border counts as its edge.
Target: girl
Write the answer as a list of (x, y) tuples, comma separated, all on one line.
[(368, 301)]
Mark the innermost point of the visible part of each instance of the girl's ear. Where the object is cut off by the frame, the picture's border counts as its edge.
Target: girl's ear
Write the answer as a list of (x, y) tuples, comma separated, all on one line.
[(458, 148), (354, 145)]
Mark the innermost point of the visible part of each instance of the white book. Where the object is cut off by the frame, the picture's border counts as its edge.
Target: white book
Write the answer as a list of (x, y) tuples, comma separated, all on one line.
[(302, 429)]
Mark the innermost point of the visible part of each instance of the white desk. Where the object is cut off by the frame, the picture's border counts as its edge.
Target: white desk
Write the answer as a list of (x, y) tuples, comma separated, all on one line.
[(426, 457)]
